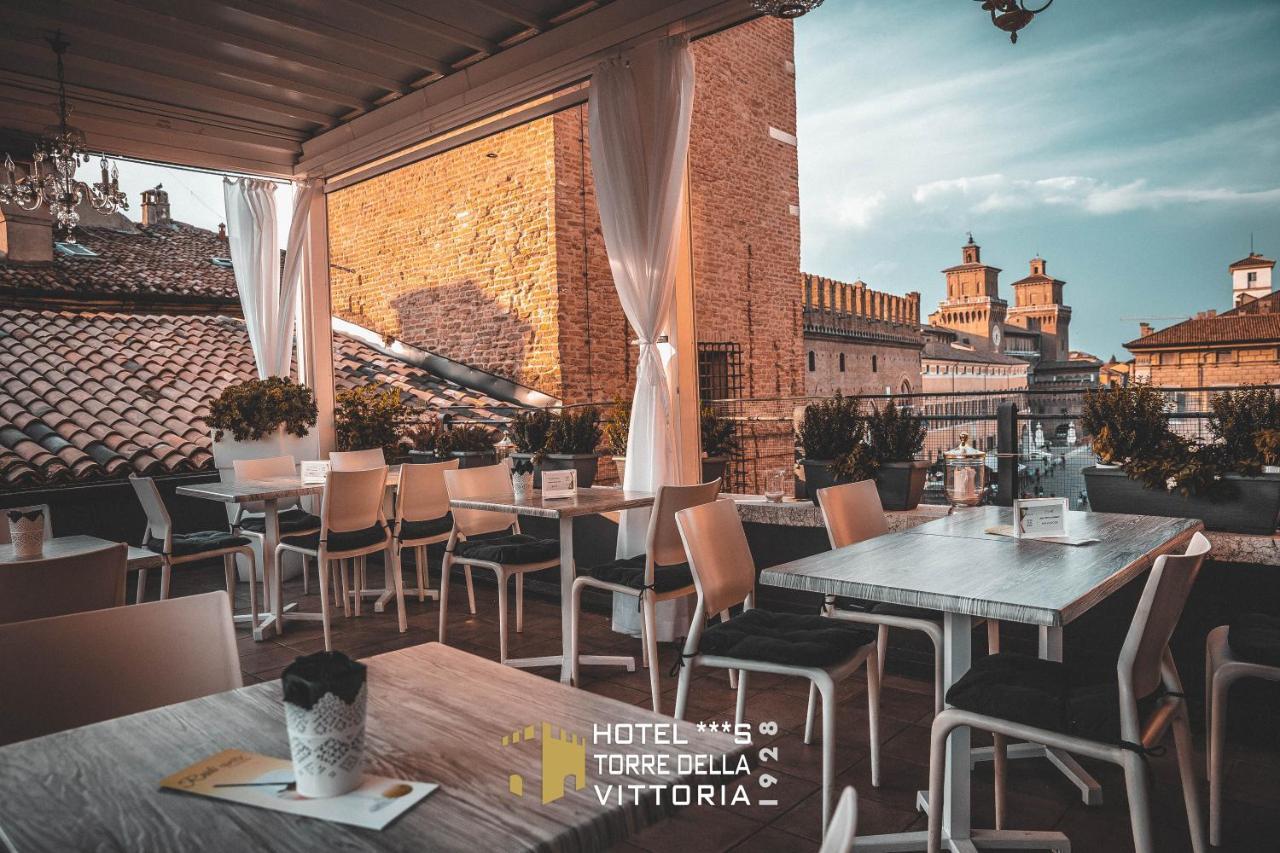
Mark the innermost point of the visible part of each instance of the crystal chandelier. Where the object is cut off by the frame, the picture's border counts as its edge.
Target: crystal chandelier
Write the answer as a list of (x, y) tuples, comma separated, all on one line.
[(785, 8), (1011, 15), (52, 178)]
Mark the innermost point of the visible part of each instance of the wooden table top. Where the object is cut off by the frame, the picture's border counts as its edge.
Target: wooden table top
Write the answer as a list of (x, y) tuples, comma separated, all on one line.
[(69, 546), (586, 502), (265, 489), (952, 565), (436, 714)]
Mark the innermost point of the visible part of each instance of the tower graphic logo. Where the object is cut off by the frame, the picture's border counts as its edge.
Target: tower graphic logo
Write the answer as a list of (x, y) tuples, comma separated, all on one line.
[(564, 755)]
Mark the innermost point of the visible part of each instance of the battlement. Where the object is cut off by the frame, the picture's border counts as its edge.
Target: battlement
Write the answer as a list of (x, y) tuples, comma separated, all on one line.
[(827, 297)]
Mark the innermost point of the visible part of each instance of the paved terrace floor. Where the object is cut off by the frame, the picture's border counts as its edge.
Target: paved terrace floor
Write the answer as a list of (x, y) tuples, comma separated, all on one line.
[(1039, 798)]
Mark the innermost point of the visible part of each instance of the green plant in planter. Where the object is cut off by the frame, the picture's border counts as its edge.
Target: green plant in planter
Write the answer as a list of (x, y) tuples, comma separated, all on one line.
[(616, 427), (255, 409), (466, 438), (1173, 462), (830, 428), (575, 431), (896, 434), (1124, 422), (425, 435), (860, 463), (529, 430), (1267, 443), (371, 416), (718, 437), (1236, 419)]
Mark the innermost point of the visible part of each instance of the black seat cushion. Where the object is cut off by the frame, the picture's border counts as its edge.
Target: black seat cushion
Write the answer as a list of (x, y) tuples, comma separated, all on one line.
[(1046, 694), (882, 608), (335, 541), (630, 572), (787, 638), (186, 544), (1255, 637), (510, 548), (411, 530), (293, 520)]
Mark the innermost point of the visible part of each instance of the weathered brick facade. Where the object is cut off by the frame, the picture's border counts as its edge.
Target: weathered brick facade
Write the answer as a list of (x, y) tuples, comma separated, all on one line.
[(492, 253)]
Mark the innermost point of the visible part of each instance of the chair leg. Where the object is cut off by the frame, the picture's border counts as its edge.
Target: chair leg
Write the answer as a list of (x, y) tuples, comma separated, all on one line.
[(882, 646), (1187, 770), (520, 603), (229, 569), (306, 577), (420, 561), (502, 618), (253, 588), (810, 713), (1135, 782), (1217, 724), (649, 610), (446, 565), (939, 689), (1000, 764), (166, 575), (357, 578), (471, 590), (397, 577), (344, 587), (827, 689), (733, 673), (323, 568), (873, 719), (575, 614), (937, 773), (682, 687), (740, 707), (993, 637), (141, 595)]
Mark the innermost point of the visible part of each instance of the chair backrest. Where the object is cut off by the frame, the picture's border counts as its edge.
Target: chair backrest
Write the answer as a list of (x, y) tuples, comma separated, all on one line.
[(843, 828), (484, 481), (265, 469), (664, 547), (48, 522), (352, 500), (421, 495), (853, 513), (36, 589), (716, 544), (68, 671), (159, 525), (356, 460), (1159, 610)]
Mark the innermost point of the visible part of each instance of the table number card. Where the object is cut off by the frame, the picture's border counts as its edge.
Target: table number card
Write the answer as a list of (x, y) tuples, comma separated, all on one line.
[(1037, 517), (314, 472), (559, 484)]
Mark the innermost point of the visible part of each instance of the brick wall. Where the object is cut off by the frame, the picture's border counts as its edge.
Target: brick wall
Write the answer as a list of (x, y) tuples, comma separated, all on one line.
[(869, 368)]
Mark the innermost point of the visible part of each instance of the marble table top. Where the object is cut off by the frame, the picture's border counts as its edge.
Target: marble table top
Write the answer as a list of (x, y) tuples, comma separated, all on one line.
[(70, 546), (265, 489), (585, 502)]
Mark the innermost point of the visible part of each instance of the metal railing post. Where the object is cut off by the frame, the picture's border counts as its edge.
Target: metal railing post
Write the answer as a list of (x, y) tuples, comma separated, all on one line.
[(1006, 453)]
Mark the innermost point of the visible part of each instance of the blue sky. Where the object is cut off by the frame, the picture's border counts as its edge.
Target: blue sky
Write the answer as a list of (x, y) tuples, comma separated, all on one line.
[(1134, 145)]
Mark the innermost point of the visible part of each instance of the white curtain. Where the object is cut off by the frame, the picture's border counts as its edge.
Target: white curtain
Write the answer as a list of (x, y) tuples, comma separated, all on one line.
[(267, 297), (640, 108)]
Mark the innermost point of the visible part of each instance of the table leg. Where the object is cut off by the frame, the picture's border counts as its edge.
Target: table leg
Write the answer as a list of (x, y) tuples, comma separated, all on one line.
[(271, 562)]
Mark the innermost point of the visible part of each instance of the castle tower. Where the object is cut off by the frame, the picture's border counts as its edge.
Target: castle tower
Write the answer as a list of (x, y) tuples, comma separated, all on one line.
[(973, 304), (1250, 278), (1038, 307)]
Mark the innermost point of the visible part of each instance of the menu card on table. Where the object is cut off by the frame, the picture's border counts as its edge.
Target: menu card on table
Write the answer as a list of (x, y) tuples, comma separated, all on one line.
[(259, 780), (1041, 519), (560, 484)]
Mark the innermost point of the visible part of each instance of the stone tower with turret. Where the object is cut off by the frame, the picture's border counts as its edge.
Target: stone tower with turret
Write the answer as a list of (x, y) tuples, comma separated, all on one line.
[(973, 304), (1038, 307)]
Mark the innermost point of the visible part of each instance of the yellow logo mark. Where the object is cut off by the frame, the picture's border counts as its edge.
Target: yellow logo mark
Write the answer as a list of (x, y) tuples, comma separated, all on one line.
[(563, 755)]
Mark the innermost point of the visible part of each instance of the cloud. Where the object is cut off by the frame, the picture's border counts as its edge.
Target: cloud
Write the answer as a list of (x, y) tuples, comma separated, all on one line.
[(859, 210), (998, 193)]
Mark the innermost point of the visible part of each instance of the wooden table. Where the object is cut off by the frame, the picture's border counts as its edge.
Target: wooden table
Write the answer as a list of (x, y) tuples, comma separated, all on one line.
[(436, 714), (71, 546), (565, 510), (269, 492), (954, 566)]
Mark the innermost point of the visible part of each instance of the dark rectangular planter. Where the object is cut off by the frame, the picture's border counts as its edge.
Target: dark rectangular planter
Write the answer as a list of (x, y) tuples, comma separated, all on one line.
[(466, 458), (817, 475), (713, 468), (585, 463), (1243, 505), (901, 484)]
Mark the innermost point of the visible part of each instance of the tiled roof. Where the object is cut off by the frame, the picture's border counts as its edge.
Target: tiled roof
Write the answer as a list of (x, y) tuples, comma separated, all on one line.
[(1254, 260), (87, 395), (171, 260), (1223, 329), (1262, 305), (945, 352)]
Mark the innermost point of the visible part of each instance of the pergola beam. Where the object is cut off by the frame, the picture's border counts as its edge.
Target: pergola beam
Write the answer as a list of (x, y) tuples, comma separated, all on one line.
[(427, 26), (512, 12)]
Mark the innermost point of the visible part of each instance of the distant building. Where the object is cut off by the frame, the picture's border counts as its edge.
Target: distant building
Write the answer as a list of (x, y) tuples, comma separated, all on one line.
[(1116, 372), (859, 340), (1236, 347)]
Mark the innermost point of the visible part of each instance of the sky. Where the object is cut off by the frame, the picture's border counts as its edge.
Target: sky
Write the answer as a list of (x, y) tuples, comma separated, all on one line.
[(1133, 145)]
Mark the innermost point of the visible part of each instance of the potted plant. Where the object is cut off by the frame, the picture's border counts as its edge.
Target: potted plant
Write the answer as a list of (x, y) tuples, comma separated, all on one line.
[(718, 444), (424, 439), (371, 416), (895, 435), (572, 443), (529, 431), (470, 444), (1156, 471), (828, 431), (261, 418), (614, 430)]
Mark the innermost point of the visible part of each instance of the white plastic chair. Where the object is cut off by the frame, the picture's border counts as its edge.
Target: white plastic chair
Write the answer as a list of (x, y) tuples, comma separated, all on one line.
[(356, 460), (1145, 666), (352, 526), (250, 518), (37, 589), (68, 671), (469, 524), (843, 830), (422, 519), (663, 558), (725, 575)]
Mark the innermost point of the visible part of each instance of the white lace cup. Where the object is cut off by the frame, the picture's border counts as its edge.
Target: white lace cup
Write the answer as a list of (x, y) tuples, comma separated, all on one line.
[(27, 534), (327, 744)]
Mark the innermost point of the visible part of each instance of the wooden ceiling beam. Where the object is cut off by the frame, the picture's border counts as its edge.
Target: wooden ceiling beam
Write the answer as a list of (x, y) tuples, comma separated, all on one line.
[(512, 12)]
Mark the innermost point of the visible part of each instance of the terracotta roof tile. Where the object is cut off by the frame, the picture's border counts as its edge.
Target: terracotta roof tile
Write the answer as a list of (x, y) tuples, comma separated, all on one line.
[(1223, 329)]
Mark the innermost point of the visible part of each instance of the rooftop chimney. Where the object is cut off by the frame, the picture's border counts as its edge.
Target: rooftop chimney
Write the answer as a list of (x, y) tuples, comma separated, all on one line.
[(26, 237), (155, 207), (1144, 329), (222, 231)]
